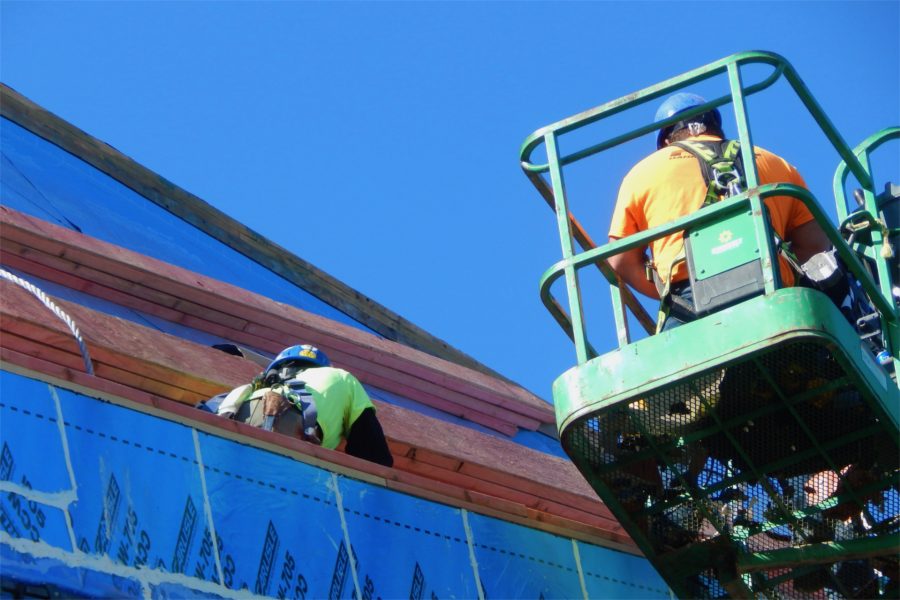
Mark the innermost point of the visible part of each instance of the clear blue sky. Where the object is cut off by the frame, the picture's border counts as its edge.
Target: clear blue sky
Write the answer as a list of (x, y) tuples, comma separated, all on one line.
[(379, 140)]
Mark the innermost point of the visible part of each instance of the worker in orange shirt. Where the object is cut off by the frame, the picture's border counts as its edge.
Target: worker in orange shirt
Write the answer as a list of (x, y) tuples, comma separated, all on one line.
[(665, 186), (669, 184)]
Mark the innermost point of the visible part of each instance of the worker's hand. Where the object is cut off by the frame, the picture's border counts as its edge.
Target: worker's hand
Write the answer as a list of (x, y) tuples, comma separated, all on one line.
[(274, 404)]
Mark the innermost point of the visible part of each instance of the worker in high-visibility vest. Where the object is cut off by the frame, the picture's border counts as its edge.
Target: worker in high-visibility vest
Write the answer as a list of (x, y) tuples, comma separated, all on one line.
[(300, 393)]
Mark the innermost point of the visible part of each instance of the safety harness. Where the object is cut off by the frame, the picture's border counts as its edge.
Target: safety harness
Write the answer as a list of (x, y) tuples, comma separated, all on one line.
[(294, 391), (723, 173), (721, 165)]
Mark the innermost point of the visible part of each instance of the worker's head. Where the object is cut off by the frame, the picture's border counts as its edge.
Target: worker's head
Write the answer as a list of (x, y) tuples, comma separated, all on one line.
[(293, 360), (708, 122)]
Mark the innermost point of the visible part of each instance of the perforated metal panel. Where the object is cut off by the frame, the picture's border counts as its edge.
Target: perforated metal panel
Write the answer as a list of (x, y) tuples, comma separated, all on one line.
[(781, 450)]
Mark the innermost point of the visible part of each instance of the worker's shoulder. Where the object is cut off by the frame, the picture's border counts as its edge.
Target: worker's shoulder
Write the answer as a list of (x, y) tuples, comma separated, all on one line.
[(651, 164), (768, 159), (326, 375), (760, 151)]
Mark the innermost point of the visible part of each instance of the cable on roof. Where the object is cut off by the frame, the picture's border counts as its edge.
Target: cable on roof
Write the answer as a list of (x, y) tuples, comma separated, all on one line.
[(88, 365)]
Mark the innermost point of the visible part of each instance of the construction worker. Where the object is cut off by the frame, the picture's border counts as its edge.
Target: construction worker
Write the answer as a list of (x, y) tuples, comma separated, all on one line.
[(669, 184), (666, 185), (301, 394), (674, 182)]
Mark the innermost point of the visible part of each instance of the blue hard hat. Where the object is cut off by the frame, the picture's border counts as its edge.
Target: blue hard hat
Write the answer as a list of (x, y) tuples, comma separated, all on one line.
[(678, 103), (303, 353)]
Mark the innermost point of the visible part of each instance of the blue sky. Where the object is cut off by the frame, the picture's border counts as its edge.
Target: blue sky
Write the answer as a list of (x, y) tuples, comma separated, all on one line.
[(380, 140)]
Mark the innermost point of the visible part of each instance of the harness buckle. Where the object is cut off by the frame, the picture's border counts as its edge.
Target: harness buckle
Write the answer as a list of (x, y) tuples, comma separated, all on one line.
[(727, 181)]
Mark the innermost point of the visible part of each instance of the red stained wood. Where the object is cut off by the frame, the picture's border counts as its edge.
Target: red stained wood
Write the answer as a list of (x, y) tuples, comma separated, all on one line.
[(427, 457), (156, 359), (463, 406), (217, 302), (434, 459), (401, 389), (125, 345), (580, 496), (397, 382), (115, 343), (499, 491)]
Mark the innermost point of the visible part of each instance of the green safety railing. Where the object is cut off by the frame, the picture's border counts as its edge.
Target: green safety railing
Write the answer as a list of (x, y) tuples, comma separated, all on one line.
[(854, 161), (879, 235), (615, 416)]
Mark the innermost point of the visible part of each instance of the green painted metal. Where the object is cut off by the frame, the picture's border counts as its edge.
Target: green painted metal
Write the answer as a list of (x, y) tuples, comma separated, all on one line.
[(720, 339), (723, 245), (568, 248), (823, 553), (699, 438)]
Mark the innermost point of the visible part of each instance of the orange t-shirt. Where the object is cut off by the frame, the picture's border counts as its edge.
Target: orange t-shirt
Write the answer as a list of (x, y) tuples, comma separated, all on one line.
[(668, 184)]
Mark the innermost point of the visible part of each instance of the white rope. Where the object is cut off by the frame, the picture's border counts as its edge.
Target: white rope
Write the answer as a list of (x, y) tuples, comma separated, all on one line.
[(57, 311)]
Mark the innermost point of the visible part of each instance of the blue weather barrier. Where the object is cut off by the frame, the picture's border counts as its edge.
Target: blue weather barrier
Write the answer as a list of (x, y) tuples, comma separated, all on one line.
[(109, 501)]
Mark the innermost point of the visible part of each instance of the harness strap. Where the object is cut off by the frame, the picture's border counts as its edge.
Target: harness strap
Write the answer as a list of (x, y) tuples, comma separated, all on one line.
[(723, 173), (295, 392), (720, 166), (666, 298)]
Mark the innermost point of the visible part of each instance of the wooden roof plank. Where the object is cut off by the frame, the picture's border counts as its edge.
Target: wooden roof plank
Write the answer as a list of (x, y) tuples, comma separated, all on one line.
[(64, 272), (51, 345), (149, 351), (562, 496), (387, 383), (412, 428), (463, 406), (206, 292), (499, 491)]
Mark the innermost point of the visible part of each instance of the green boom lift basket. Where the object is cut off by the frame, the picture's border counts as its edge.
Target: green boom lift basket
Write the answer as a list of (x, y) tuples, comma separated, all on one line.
[(720, 471), (755, 451)]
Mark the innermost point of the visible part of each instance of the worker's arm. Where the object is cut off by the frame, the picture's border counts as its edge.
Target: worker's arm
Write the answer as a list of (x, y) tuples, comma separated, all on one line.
[(808, 240), (630, 267)]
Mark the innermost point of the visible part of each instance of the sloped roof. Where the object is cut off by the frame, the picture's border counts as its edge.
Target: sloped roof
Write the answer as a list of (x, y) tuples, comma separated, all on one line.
[(220, 226), (459, 463)]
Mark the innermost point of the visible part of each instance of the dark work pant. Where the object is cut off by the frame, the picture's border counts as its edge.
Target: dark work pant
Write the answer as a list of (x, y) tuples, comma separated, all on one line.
[(366, 440), (678, 317)]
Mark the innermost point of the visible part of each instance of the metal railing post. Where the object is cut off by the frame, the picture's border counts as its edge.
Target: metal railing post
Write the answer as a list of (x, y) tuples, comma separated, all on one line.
[(568, 247)]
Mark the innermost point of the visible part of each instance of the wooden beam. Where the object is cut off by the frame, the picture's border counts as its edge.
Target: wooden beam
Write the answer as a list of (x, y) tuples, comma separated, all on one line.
[(125, 345), (168, 366), (368, 372), (527, 501), (181, 296), (152, 370), (557, 503)]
